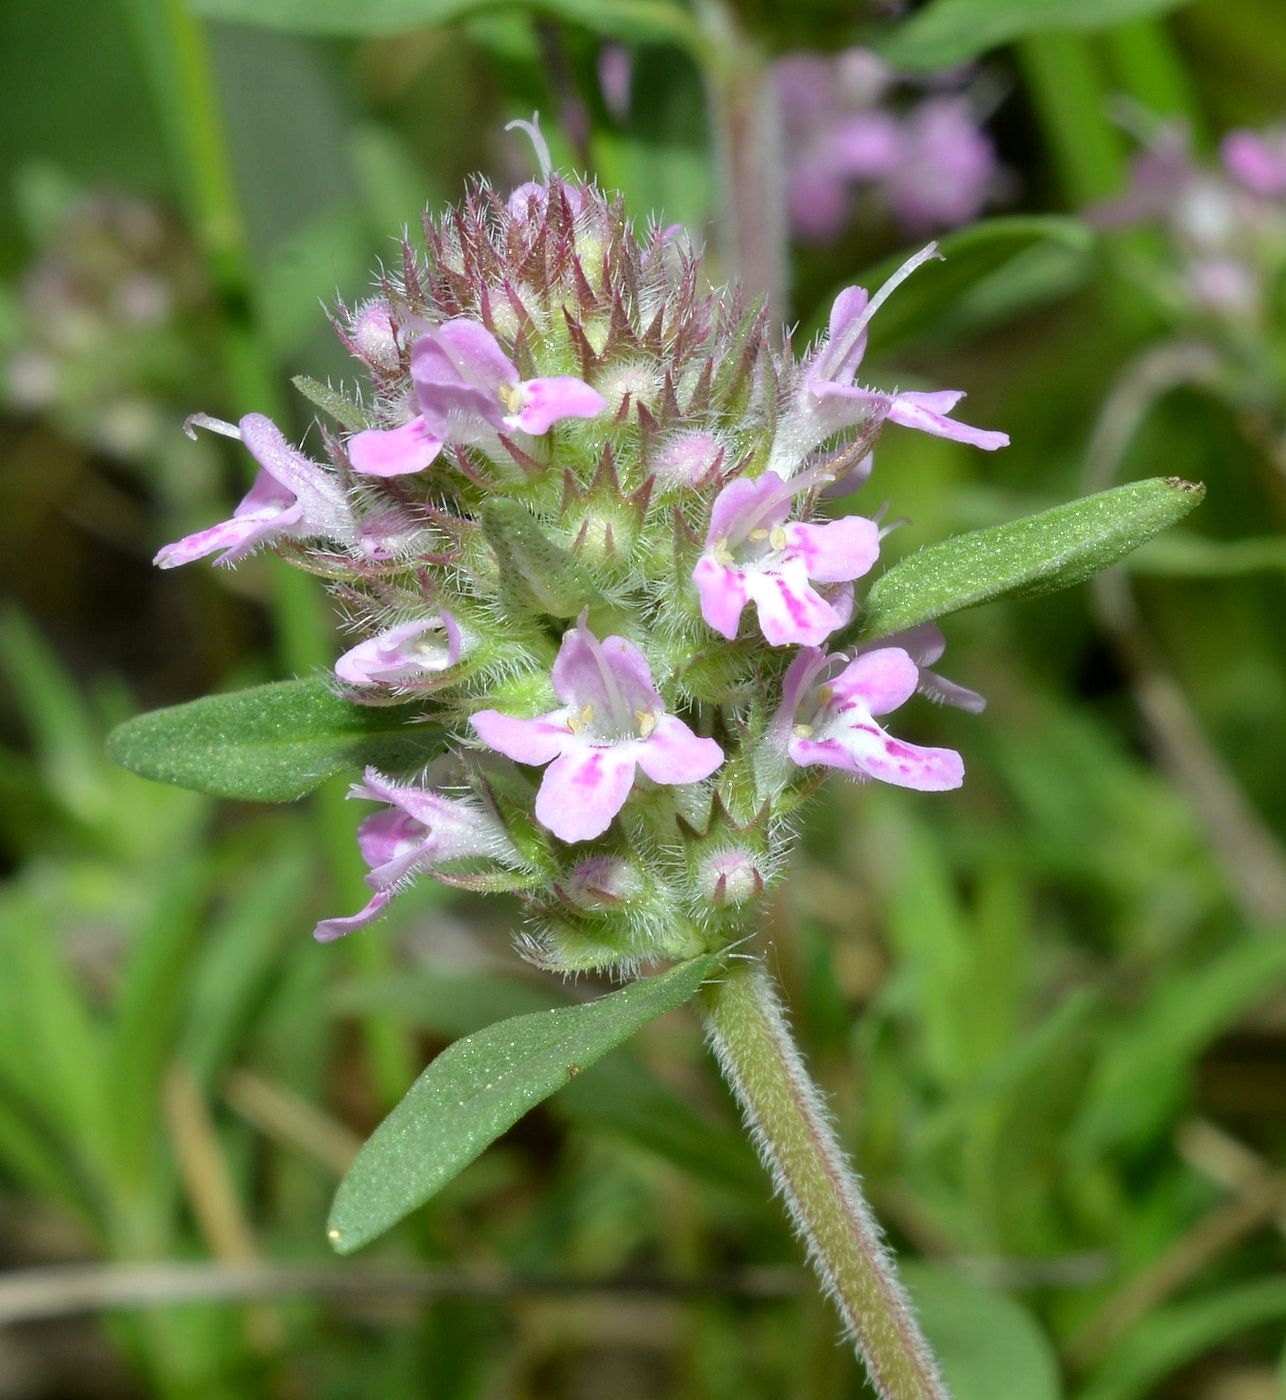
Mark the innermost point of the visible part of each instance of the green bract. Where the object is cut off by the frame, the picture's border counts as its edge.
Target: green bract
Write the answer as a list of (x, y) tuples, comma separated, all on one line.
[(480, 1087)]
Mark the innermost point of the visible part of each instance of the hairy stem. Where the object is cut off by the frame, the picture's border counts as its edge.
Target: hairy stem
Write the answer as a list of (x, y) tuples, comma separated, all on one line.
[(797, 1143), (748, 140)]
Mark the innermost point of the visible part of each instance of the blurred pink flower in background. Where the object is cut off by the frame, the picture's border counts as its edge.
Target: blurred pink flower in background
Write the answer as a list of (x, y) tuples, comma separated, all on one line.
[(929, 164), (1223, 220)]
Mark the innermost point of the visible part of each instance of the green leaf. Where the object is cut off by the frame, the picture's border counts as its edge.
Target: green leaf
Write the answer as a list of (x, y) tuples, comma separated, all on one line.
[(271, 743), (987, 1344), (637, 21), (951, 31), (988, 270), (481, 1086), (1143, 1073), (1026, 558), (1168, 1339)]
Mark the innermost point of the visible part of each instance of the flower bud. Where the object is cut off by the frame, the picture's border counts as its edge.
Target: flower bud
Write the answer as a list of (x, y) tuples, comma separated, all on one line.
[(689, 459), (729, 877), (373, 336), (601, 883)]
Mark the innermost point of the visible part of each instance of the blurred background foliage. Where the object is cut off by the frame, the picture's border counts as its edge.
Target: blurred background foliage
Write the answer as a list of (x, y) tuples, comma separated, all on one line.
[(1050, 1009)]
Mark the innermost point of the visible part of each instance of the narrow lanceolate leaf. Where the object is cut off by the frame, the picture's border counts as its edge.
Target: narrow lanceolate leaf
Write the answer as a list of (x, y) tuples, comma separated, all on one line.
[(272, 743), (481, 1086), (947, 32), (639, 21), (1039, 554)]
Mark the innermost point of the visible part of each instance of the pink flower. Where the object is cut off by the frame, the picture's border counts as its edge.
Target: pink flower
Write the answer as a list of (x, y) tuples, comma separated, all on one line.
[(753, 553), (291, 498), (931, 165), (612, 721), (616, 79), (1257, 161), (828, 401), (404, 654), (827, 716), (945, 168), (418, 831), (925, 644), (468, 390), (831, 142)]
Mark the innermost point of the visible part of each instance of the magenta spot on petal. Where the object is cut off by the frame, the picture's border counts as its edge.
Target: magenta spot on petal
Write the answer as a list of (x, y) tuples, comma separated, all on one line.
[(591, 774), (794, 606)]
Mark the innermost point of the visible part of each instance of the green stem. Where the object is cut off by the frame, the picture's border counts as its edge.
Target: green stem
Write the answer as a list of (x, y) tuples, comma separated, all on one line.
[(745, 121), (175, 52), (1148, 65), (1067, 87), (797, 1143)]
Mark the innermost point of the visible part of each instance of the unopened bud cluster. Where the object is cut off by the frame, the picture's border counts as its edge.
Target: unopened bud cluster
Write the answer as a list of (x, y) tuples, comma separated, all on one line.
[(578, 518)]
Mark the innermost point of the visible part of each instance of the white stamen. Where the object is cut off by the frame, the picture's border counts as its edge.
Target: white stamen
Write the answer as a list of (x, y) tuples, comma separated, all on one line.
[(532, 128), (838, 353), (212, 425)]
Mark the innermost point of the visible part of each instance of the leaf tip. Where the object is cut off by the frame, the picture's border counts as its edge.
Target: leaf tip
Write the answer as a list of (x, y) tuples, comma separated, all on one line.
[(117, 746), (1196, 489), (339, 1242)]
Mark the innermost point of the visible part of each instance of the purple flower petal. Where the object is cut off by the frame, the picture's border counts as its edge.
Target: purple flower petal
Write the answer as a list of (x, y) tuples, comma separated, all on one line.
[(291, 496), (744, 502), (944, 692), (240, 535), (672, 753), (322, 499), (394, 451), (403, 654), (584, 789), (614, 719), (523, 740), (328, 930), (866, 750), (612, 677), (838, 551), (393, 844), (918, 410), (818, 200), (722, 595), (831, 721), (546, 401), (1256, 162), (837, 360), (750, 553), (791, 612), (947, 167), (879, 681), (866, 146), (465, 352)]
